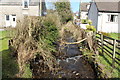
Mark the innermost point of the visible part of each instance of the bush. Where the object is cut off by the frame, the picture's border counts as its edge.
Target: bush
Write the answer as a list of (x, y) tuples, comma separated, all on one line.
[(84, 21), (35, 35), (90, 28), (89, 22)]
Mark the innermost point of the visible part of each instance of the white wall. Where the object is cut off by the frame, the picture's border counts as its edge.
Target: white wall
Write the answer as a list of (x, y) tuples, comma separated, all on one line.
[(83, 26), (84, 15), (18, 11), (105, 26)]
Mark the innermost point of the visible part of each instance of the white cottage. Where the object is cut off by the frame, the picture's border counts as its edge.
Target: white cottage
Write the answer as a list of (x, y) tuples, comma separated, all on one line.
[(84, 10), (13, 10), (104, 15)]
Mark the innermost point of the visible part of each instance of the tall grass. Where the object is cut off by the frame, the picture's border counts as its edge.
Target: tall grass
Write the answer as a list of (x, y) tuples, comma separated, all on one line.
[(35, 35)]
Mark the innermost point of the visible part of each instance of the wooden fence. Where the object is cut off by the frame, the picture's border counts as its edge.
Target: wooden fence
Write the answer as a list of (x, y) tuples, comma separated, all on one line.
[(109, 46)]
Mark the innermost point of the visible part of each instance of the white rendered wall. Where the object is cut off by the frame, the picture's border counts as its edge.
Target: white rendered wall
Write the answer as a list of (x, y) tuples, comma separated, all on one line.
[(18, 11), (105, 26), (84, 15)]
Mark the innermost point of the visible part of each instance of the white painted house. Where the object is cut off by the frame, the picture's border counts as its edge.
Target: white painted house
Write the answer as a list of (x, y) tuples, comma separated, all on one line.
[(84, 10), (104, 15), (13, 10)]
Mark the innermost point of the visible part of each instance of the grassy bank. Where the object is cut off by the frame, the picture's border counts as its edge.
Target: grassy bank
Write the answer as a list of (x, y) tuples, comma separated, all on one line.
[(115, 35), (3, 40), (9, 63), (106, 61)]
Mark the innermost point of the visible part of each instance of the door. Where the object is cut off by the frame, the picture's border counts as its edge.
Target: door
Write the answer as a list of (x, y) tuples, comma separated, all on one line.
[(7, 20), (13, 20)]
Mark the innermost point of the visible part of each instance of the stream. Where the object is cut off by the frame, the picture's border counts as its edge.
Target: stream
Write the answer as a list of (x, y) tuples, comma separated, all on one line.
[(73, 65)]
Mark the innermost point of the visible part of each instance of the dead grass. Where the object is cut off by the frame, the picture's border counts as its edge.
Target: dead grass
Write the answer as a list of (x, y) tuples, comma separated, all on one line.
[(25, 43)]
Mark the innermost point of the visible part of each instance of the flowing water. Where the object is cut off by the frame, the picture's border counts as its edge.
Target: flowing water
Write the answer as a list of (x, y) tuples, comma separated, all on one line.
[(72, 65)]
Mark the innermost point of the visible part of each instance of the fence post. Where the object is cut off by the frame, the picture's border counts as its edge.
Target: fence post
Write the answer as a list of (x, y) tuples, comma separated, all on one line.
[(113, 60), (102, 42)]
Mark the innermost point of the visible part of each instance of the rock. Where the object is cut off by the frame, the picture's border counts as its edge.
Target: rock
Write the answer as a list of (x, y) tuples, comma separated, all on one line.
[(74, 72), (77, 74)]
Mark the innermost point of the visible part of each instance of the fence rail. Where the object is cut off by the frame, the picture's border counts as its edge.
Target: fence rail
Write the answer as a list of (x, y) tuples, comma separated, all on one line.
[(109, 46)]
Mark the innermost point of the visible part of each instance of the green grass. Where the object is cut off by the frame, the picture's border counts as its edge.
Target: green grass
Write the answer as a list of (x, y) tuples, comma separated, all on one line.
[(9, 63), (4, 40), (105, 60), (115, 35), (27, 73), (112, 35)]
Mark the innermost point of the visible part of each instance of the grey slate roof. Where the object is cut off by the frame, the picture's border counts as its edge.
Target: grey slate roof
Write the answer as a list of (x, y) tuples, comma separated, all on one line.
[(106, 0), (84, 6), (108, 5)]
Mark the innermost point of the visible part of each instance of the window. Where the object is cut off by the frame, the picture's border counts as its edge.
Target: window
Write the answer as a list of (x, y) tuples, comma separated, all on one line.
[(7, 17), (13, 19), (26, 3), (112, 18)]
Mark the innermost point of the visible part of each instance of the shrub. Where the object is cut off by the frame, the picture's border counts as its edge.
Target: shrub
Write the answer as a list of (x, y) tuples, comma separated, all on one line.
[(35, 35), (89, 22), (90, 28), (84, 21)]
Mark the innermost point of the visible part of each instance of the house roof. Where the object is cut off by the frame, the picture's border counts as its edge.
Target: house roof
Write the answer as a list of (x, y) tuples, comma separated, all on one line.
[(108, 5), (106, 0), (84, 6), (17, 2)]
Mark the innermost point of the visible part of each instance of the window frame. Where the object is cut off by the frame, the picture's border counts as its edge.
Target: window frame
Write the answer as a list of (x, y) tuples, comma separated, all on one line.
[(27, 2), (7, 17), (115, 18), (14, 19)]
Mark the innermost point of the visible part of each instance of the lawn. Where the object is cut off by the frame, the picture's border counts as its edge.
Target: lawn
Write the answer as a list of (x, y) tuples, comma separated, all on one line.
[(115, 35), (9, 63), (105, 60), (3, 40)]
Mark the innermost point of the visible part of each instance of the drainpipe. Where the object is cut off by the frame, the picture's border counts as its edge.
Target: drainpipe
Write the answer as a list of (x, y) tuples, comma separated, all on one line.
[(40, 7), (79, 10), (102, 22)]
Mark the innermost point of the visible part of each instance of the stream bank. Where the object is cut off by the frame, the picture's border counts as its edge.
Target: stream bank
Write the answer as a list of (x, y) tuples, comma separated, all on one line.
[(71, 63)]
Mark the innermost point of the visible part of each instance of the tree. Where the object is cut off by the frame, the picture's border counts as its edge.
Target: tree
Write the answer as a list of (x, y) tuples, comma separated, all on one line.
[(64, 10)]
